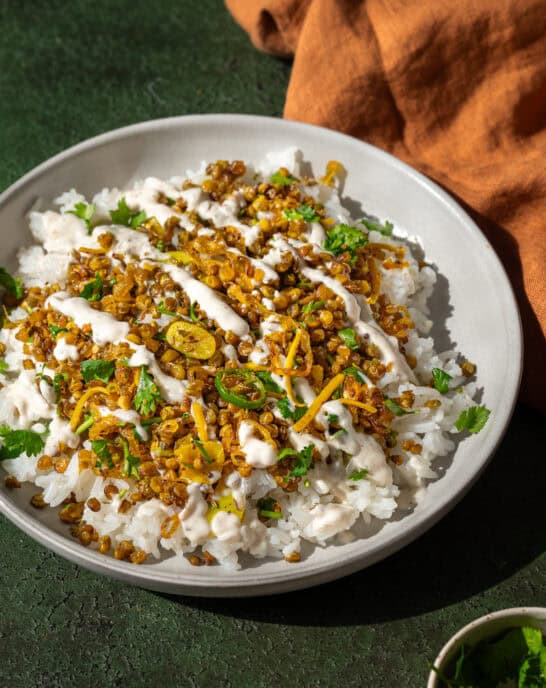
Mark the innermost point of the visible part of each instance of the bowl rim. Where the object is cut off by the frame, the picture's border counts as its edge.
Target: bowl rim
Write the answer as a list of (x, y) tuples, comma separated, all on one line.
[(296, 577), (511, 613)]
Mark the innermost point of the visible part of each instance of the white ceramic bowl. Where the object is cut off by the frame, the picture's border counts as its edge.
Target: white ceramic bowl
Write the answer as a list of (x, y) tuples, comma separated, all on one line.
[(485, 628), (477, 310)]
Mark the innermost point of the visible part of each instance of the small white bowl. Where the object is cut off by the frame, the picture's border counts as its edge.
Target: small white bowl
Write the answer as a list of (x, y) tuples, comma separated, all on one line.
[(484, 628)]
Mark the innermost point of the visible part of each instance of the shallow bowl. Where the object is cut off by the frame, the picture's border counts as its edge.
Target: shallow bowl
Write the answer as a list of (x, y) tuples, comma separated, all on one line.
[(474, 310)]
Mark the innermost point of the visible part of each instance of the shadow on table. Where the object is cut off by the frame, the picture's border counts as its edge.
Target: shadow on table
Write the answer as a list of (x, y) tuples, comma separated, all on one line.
[(496, 530)]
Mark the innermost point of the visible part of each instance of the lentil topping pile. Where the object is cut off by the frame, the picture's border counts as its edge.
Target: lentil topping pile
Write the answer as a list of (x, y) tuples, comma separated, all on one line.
[(219, 364)]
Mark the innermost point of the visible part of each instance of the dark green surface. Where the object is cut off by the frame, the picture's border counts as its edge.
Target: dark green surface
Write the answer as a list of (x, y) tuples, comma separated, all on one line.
[(69, 70)]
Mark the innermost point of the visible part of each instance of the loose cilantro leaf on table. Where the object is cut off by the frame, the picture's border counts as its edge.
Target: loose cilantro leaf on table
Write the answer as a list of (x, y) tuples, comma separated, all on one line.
[(440, 380), (13, 285), (147, 395), (472, 419), (358, 475), (281, 179), (303, 212), (18, 441), (344, 238), (101, 449), (130, 462), (85, 212), (97, 370), (371, 225), (92, 291), (123, 215), (349, 337)]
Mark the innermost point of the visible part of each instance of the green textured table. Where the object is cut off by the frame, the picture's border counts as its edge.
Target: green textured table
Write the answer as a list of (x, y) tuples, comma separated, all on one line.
[(70, 70)]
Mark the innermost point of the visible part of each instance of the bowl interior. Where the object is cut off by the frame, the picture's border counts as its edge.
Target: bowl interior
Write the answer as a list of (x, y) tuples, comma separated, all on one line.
[(486, 628), (474, 310)]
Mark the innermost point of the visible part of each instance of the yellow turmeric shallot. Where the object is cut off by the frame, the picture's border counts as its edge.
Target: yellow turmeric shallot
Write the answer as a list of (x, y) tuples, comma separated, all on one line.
[(323, 397)]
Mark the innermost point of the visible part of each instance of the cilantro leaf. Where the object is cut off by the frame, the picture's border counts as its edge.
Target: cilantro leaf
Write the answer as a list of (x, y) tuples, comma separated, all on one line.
[(4, 367), (395, 408), (371, 225), (303, 212), (101, 449), (130, 462), (349, 337), (56, 331), (92, 291), (358, 475), (281, 179), (354, 371), (344, 238), (269, 384), (57, 381), (332, 418), (123, 215), (286, 451), (287, 412), (18, 441), (85, 212), (304, 461), (97, 370), (161, 308), (472, 419), (533, 639), (147, 395), (312, 306), (11, 284), (440, 380)]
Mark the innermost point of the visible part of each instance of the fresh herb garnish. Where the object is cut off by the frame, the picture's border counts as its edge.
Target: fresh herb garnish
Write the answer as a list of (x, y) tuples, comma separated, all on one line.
[(266, 508), (395, 408), (92, 291), (151, 421), (286, 451), (13, 285), (161, 308), (4, 367), (304, 461), (287, 412), (344, 238), (100, 447), (302, 212), (440, 380), (312, 306), (130, 462), (518, 656), (56, 331), (202, 450), (193, 315), (147, 395), (281, 179), (18, 441), (372, 226), (354, 371), (57, 380), (358, 475), (85, 212), (349, 337), (97, 370), (123, 215), (87, 423), (472, 419), (332, 418), (269, 384)]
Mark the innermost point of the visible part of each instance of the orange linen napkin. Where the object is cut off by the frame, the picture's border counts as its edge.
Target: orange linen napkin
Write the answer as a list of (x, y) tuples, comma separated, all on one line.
[(457, 88)]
